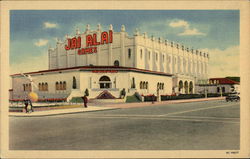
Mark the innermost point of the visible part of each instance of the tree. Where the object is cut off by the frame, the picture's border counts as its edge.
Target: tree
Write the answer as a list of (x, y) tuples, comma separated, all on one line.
[(74, 82)]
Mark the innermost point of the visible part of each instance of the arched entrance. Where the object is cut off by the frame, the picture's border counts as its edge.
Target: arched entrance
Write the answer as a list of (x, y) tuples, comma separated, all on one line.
[(105, 82), (180, 86), (116, 63), (186, 87), (191, 87)]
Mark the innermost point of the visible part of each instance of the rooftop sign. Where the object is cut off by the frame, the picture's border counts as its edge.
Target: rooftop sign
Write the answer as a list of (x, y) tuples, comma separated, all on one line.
[(91, 42)]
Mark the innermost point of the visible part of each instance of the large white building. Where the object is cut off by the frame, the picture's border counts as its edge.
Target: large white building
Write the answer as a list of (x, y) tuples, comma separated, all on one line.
[(105, 62)]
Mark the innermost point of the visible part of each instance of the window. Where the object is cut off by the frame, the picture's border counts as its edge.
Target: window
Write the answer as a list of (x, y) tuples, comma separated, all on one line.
[(57, 86), (64, 85), (129, 53), (116, 63), (218, 89), (133, 83), (61, 85), (27, 87), (223, 89), (141, 53), (143, 85), (160, 86), (105, 82)]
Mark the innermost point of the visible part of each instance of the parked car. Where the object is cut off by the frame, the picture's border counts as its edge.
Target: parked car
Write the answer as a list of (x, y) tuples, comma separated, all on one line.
[(233, 97)]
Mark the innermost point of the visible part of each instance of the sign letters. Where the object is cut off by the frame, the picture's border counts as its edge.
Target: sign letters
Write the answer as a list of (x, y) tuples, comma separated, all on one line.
[(91, 42)]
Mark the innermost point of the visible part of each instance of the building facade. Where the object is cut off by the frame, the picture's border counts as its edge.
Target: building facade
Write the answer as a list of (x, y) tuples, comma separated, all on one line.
[(106, 60)]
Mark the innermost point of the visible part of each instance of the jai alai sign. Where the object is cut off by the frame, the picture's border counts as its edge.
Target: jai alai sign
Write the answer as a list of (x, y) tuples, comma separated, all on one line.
[(91, 42)]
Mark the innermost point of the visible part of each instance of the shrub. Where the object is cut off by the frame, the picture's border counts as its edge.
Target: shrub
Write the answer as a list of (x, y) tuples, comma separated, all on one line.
[(76, 100)]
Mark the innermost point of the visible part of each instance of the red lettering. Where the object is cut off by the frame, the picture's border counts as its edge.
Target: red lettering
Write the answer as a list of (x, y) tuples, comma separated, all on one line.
[(104, 37), (78, 44), (67, 47), (73, 43), (90, 50), (110, 36), (95, 49), (95, 40), (89, 40)]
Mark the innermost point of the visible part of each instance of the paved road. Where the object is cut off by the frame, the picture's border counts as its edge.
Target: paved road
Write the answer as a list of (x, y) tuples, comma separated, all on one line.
[(211, 125)]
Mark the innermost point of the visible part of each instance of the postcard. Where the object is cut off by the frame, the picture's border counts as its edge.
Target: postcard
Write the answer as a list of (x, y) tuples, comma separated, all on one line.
[(128, 79)]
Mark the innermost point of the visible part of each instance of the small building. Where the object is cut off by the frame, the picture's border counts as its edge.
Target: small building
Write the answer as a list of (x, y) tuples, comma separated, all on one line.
[(219, 85)]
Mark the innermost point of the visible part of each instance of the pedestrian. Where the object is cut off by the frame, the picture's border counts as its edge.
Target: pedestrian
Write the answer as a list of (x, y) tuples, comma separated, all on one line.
[(31, 106), (85, 101), (153, 98), (26, 104)]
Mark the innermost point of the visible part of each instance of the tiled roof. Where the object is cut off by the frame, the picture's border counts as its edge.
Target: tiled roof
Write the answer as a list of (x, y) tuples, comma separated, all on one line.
[(224, 81)]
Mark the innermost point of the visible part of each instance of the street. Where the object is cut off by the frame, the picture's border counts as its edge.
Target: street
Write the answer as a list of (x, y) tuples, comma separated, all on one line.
[(209, 125)]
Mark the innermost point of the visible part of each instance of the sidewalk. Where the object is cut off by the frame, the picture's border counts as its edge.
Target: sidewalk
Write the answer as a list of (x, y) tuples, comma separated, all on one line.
[(142, 104), (59, 111), (92, 107)]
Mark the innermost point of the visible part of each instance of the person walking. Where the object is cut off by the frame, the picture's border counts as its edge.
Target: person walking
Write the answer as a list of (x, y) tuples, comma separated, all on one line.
[(85, 101), (153, 98), (31, 106), (28, 102)]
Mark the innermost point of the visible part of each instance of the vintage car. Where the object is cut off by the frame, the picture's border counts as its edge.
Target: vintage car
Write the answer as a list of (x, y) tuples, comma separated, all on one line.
[(233, 97)]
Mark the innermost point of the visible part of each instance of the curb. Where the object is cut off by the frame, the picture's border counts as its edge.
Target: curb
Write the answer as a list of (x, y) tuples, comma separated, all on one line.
[(60, 113)]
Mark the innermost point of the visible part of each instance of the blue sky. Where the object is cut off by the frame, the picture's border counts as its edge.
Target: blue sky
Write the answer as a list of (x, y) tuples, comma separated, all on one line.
[(215, 31)]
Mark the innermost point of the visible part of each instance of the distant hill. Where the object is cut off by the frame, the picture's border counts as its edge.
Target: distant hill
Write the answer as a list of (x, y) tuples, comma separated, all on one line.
[(237, 79)]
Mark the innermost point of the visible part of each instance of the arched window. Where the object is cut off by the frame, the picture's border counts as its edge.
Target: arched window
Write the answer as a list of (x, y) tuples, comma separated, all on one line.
[(223, 90), (60, 85), (116, 63), (141, 53), (191, 87), (46, 86), (105, 82), (162, 85), (141, 85), (26, 87), (64, 85), (133, 83), (146, 85), (43, 88), (129, 53), (39, 87), (57, 86), (180, 86)]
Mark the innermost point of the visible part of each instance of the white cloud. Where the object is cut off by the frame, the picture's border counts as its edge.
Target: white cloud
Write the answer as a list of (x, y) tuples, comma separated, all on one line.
[(187, 29), (193, 31), (50, 25), (41, 42), (30, 64), (224, 63), (179, 23)]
